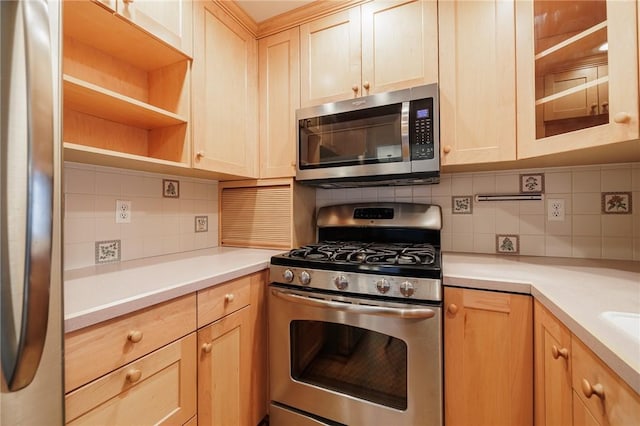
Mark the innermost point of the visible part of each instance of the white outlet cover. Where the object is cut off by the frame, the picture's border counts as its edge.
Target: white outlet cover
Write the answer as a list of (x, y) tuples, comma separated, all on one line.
[(123, 211), (555, 209)]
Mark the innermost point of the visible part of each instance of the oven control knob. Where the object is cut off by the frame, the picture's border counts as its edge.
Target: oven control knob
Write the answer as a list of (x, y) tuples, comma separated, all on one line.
[(406, 288), (288, 275), (382, 285), (341, 282), (305, 278)]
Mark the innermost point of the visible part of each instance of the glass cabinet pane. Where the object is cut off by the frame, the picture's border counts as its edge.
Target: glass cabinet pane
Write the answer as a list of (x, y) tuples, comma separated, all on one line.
[(571, 65)]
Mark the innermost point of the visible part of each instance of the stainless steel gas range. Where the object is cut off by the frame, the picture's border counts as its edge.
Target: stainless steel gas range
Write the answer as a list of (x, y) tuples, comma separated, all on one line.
[(355, 320)]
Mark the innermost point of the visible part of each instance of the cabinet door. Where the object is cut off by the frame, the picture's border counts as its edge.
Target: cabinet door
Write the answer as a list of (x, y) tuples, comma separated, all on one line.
[(477, 82), (488, 358), (225, 101), (399, 45), (259, 345), (170, 21), (159, 388), (558, 36), (552, 370), (581, 415), (279, 72), (224, 371), (330, 58)]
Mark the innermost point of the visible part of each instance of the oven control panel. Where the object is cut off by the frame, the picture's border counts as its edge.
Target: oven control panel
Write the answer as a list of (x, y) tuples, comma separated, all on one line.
[(427, 289)]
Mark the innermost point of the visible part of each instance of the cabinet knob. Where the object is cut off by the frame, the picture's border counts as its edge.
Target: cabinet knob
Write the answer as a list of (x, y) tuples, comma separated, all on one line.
[(588, 389), (200, 154), (594, 108), (293, 164), (206, 348), (134, 336), (228, 298), (452, 309), (622, 117), (355, 88), (605, 107), (366, 86), (557, 353), (446, 149), (133, 375)]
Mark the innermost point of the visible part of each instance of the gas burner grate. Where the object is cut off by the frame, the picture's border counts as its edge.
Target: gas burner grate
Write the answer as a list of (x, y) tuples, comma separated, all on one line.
[(367, 253)]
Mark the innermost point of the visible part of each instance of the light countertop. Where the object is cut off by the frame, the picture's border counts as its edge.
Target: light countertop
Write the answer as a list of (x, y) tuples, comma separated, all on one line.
[(103, 292), (599, 301)]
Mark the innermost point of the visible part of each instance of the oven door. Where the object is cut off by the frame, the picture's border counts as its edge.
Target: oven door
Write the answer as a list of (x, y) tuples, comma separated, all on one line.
[(354, 360)]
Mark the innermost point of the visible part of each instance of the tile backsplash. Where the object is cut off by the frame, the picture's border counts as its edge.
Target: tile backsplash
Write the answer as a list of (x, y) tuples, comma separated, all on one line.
[(161, 222), (601, 210)]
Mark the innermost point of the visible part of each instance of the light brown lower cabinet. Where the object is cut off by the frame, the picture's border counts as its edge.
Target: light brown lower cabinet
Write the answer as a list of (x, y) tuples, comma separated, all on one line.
[(152, 367), (553, 396), (158, 388), (488, 358), (573, 386), (223, 370)]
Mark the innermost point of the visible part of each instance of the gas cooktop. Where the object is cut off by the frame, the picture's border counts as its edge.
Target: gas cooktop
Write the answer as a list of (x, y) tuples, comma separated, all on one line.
[(400, 259)]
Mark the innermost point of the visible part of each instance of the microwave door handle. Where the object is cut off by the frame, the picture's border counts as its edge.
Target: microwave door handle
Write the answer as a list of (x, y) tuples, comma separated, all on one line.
[(413, 313), (21, 356), (404, 131)]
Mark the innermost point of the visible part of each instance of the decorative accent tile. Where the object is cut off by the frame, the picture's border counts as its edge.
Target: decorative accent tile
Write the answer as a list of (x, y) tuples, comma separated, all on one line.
[(202, 223), (616, 203), (170, 188), (532, 183), (462, 204), (507, 244), (107, 251)]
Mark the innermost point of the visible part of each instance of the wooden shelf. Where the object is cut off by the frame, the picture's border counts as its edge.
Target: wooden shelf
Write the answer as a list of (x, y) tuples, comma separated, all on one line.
[(582, 48), (103, 103), (88, 154), (98, 27)]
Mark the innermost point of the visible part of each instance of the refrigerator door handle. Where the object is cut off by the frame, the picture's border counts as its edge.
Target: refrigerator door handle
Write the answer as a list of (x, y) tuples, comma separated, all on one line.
[(21, 356)]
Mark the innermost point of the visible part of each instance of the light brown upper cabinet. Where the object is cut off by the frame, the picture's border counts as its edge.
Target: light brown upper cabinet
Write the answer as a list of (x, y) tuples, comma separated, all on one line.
[(225, 101), (577, 71), (170, 21), (126, 94), (377, 47), (279, 73), (477, 82)]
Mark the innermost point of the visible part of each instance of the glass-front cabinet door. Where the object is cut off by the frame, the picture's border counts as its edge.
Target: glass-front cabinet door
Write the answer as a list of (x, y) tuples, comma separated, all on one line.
[(577, 74)]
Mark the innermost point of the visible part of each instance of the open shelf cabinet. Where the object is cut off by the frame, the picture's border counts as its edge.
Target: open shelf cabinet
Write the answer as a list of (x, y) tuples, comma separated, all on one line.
[(125, 93)]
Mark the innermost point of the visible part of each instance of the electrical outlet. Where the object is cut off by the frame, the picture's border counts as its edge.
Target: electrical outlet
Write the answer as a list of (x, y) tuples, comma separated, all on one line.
[(123, 211), (555, 209)]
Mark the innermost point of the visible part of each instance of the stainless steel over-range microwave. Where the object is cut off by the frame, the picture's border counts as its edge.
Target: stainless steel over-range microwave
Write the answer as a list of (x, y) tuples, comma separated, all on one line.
[(388, 138)]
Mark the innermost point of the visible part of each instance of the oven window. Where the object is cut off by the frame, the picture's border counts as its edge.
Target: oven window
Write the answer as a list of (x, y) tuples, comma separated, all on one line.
[(350, 360), (359, 137)]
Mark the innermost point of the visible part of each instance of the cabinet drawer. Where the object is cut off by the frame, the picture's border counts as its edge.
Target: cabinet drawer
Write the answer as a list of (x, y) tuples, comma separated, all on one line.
[(99, 349), (158, 388), (618, 405), (222, 299)]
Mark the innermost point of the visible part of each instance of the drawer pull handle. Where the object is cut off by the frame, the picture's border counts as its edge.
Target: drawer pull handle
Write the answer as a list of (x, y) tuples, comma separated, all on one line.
[(134, 336), (133, 375), (588, 389), (557, 353), (228, 298), (206, 348), (452, 309)]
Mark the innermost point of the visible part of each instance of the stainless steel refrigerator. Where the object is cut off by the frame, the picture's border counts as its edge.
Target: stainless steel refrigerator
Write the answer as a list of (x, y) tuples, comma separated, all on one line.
[(30, 205)]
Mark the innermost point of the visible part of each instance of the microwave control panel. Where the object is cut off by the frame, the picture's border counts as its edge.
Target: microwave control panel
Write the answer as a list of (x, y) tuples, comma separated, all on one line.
[(421, 129)]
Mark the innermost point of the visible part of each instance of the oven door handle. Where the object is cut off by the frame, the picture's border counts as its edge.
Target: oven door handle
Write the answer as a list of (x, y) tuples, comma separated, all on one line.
[(414, 313)]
